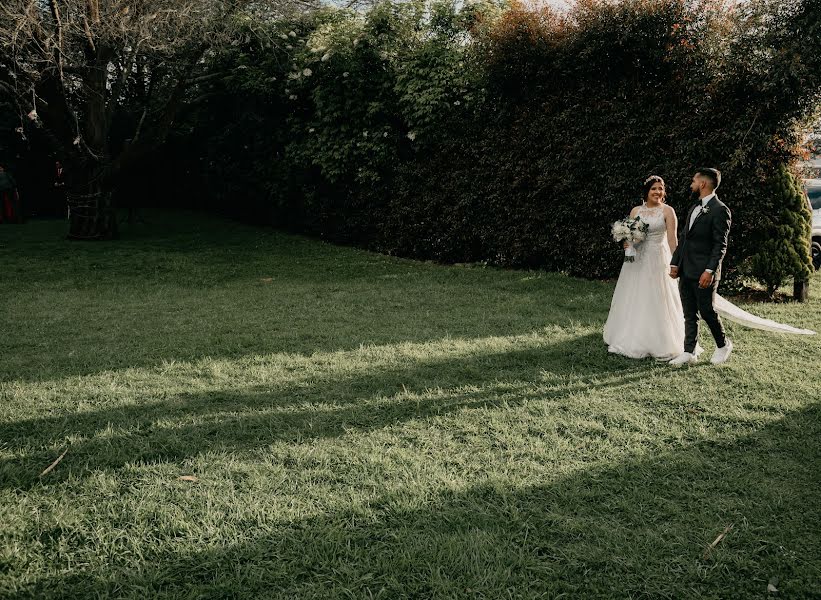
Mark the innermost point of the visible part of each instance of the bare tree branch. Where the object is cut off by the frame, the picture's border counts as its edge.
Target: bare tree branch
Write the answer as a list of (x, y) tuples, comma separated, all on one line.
[(55, 13), (82, 64)]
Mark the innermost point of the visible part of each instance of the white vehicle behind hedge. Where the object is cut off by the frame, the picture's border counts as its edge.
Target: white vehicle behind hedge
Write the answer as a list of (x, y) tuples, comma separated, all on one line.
[(813, 188)]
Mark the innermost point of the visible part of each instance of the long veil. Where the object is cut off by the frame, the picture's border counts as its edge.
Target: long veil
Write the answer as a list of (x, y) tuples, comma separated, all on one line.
[(731, 312)]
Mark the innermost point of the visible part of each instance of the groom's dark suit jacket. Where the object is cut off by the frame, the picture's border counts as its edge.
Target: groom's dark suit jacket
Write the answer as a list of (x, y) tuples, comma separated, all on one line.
[(703, 245)]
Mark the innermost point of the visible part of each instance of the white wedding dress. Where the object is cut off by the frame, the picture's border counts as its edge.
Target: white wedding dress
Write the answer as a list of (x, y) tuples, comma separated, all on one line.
[(646, 318)]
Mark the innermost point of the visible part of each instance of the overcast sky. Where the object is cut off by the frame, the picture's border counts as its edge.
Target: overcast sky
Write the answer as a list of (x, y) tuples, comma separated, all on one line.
[(567, 3), (556, 3)]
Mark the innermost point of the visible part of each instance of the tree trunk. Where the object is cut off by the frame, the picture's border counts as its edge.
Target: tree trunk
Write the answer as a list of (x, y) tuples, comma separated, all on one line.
[(92, 215), (801, 291), (92, 218), (91, 201)]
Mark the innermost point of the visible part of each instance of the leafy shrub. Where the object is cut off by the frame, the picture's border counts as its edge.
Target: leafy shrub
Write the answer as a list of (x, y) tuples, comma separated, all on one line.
[(515, 136)]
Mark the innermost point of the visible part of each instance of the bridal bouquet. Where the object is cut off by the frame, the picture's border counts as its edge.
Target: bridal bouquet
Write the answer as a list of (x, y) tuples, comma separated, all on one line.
[(631, 231)]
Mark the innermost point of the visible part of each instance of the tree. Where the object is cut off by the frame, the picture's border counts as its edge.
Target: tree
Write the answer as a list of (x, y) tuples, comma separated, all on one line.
[(103, 80), (784, 251)]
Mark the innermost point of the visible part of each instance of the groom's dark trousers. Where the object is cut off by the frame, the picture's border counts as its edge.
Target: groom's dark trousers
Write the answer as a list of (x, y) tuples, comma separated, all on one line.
[(695, 301)]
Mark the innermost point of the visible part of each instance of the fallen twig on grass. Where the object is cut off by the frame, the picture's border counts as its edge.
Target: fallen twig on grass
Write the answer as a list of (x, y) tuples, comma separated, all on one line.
[(50, 468), (717, 541)]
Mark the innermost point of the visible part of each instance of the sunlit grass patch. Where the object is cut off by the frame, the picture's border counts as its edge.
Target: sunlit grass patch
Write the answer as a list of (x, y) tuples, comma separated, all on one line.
[(250, 414)]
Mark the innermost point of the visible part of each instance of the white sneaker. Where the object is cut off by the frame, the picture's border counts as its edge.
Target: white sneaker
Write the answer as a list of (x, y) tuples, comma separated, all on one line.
[(721, 355), (683, 359)]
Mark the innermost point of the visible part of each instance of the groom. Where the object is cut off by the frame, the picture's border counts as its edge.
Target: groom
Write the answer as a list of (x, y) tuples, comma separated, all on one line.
[(702, 244)]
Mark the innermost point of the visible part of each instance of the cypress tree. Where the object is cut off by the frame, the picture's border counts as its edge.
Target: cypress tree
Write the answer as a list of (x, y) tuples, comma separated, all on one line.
[(784, 252)]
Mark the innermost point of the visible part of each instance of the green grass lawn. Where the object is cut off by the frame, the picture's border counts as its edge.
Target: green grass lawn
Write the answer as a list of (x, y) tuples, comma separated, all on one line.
[(361, 426)]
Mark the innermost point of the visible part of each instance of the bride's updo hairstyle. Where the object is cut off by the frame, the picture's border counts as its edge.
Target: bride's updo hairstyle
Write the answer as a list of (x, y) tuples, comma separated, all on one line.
[(649, 183)]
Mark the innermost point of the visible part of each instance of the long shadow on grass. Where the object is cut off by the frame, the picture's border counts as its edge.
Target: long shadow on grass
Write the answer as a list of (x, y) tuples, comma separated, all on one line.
[(637, 529), (326, 405)]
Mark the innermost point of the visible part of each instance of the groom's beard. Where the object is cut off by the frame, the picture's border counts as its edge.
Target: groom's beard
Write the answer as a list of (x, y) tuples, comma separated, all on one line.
[(694, 196)]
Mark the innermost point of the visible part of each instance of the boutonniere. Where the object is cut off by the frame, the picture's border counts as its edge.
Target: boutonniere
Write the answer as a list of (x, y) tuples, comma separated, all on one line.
[(705, 210)]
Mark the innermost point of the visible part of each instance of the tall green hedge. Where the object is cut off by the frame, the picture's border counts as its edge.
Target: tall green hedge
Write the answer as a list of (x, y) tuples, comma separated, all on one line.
[(508, 135)]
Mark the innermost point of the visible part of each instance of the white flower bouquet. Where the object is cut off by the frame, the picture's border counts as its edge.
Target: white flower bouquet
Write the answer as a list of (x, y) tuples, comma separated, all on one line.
[(632, 231)]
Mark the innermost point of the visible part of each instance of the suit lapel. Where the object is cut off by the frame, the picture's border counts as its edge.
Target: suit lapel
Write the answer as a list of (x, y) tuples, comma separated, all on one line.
[(709, 206), (687, 222)]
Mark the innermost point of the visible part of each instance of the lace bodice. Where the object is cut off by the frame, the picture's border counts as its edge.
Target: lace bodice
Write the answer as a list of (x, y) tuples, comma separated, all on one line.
[(654, 217)]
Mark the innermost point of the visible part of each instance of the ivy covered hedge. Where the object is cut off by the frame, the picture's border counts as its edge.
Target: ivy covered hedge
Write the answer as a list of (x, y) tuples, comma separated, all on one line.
[(508, 135)]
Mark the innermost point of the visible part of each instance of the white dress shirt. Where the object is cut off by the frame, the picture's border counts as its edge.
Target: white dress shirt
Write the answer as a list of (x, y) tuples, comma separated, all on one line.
[(697, 212), (699, 208)]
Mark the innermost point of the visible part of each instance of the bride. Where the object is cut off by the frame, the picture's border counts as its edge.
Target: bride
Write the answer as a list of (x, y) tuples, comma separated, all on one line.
[(646, 316)]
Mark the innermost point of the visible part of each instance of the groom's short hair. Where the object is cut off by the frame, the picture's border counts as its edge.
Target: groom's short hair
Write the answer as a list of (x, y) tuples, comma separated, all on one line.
[(714, 175)]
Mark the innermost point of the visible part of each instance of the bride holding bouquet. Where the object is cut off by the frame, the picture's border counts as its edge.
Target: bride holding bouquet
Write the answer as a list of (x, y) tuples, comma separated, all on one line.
[(646, 316)]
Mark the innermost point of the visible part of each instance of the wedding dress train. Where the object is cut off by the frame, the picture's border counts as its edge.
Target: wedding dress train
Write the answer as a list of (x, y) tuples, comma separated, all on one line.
[(738, 315)]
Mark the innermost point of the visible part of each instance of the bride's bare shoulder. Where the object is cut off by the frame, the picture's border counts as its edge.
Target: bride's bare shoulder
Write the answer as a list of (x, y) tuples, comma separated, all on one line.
[(635, 211)]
